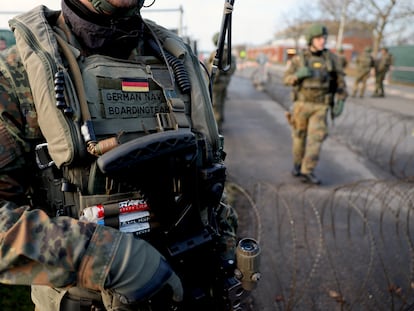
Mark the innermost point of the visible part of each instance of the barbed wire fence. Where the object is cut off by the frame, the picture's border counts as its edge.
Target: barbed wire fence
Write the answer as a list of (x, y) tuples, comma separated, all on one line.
[(349, 247), (383, 137), (345, 248)]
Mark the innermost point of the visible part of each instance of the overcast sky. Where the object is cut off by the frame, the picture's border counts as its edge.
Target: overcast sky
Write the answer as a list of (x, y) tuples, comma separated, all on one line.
[(254, 21)]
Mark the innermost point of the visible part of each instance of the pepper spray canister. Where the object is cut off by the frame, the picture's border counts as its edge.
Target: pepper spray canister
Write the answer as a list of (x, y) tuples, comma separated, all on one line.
[(248, 261)]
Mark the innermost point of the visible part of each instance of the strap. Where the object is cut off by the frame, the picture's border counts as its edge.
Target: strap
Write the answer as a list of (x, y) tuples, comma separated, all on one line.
[(94, 147), (178, 111), (73, 65)]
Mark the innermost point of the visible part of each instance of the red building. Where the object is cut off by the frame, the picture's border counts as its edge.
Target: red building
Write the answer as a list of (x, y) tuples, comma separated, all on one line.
[(355, 39)]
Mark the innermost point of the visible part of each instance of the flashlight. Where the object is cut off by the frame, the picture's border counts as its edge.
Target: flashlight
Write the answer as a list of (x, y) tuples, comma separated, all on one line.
[(248, 261)]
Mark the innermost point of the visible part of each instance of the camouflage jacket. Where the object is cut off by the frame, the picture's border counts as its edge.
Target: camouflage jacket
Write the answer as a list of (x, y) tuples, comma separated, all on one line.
[(384, 63), (59, 252), (364, 63)]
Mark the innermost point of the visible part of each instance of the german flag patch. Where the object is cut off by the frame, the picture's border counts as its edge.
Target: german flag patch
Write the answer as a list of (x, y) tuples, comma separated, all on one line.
[(135, 85)]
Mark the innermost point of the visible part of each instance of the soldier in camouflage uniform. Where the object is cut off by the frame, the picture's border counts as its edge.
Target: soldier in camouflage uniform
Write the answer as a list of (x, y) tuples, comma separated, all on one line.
[(72, 264), (364, 63), (220, 83), (318, 85), (382, 66)]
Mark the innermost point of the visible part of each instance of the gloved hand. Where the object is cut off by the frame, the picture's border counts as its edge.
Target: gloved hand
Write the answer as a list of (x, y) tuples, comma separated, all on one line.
[(131, 269), (303, 72), (337, 108)]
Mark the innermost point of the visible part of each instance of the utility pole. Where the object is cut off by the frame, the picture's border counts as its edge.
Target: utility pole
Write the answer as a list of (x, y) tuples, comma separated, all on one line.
[(181, 30), (180, 10)]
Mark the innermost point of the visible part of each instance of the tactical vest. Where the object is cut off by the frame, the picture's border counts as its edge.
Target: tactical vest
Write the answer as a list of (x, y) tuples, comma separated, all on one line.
[(104, 104), (318, 87), (364, 62)]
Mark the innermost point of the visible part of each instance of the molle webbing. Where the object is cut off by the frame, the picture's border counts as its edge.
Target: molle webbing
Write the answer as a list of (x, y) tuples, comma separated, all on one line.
[(202, 116), (132, 97), (316, 87)]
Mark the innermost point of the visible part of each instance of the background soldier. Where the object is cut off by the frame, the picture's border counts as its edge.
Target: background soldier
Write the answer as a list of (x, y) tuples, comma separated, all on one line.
[(289, 55), (221, 82), (72, 92), (364, 63), (318, 82), (382, 66), (342, 59)]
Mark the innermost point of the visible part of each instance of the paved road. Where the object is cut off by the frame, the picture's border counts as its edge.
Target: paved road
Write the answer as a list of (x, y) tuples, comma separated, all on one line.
[(347, 245)]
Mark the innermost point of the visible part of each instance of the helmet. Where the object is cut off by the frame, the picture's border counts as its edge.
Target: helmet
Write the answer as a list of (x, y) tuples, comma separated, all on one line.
[(315, 30), (104, 5), (215, 38)]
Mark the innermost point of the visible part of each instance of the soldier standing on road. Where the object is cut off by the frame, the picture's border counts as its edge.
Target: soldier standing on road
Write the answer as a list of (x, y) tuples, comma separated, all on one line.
[(221, 83), (290, 53), (318, 84), (382, 66), (364, 63)]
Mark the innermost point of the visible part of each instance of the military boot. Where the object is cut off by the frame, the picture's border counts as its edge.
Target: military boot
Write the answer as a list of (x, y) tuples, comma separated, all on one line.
[(296, 170), (310, 178)]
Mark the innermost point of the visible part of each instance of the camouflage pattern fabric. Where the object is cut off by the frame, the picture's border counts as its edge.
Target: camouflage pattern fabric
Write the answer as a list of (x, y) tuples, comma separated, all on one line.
[(309, 131), (14, 88), (18, 125), (58, 252), (364, 64), (220, 84), (382, 66)]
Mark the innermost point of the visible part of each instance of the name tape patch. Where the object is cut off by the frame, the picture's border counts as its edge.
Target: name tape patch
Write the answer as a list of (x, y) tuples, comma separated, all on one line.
[(119, 104)]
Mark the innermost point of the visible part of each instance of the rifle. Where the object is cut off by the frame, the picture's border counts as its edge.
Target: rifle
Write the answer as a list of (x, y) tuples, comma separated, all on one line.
[(225, 32), (179, 184)]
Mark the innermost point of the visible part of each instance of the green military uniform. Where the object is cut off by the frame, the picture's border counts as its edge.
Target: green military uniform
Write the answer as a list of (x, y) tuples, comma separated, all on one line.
[(314, 94), (79, 264), (221, 83), (364, 63), (382, 66)]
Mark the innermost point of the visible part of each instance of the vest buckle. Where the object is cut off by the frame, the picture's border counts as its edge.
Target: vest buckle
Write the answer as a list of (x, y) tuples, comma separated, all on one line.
[(43, 158)]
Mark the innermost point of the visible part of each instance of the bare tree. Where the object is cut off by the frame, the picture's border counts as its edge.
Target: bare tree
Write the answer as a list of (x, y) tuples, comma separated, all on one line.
[(384, 18), (389, 21), (295, 22)]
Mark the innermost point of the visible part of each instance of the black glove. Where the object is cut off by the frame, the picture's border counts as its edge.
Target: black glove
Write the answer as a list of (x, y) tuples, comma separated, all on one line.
[(124, 268), (138, 271)]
